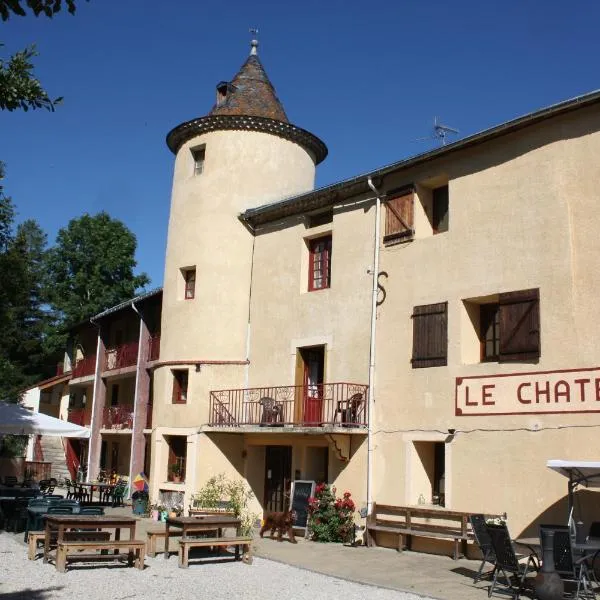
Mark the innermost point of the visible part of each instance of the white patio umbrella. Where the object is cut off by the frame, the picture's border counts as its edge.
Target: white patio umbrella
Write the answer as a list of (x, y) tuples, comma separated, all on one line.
[(577, 472), (16, 420)]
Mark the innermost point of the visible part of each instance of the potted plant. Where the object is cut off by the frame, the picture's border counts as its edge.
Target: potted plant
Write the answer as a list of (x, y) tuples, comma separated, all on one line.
[(176, 472), (139, 504)]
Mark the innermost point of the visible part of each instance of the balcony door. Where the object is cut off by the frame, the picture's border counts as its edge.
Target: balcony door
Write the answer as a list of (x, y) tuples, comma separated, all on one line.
[(310, 372), (278, 477)]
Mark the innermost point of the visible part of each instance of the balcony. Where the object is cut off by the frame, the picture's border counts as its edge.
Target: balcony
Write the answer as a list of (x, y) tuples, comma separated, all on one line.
[(84, 366), (335, 405), (154, 348), (118, 417), (78, 416), (122, 356)]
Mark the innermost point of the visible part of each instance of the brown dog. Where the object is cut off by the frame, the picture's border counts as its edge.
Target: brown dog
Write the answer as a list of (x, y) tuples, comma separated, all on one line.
[(283, 522)]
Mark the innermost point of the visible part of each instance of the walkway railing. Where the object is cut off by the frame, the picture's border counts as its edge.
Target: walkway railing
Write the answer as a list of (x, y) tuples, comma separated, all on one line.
[(118, 417), (78, 416), (84, 366), (121, 356), (336, 404)]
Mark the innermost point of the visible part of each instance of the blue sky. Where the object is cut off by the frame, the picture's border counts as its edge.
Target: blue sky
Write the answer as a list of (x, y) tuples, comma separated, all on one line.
[(366, 77)]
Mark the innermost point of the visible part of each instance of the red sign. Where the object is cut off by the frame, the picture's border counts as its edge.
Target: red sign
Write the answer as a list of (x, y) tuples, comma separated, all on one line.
[(544, 392)]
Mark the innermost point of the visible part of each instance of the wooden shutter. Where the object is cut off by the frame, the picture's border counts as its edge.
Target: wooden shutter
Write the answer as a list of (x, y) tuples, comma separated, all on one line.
[(519, 325), (430, 335), (399, 217)]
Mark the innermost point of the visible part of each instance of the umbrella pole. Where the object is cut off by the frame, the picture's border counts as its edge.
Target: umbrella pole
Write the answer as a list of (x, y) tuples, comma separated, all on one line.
[(570, 495)]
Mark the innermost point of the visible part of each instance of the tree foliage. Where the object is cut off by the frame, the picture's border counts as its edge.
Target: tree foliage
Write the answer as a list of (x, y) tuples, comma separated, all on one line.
[(91, 267), (47, 8), (19, 89)]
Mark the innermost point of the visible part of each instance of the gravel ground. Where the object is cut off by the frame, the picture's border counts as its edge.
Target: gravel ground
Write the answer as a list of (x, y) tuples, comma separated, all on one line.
[(264, 580)]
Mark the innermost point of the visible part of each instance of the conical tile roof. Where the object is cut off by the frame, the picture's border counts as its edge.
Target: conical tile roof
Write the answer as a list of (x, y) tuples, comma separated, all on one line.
[(251, 94)]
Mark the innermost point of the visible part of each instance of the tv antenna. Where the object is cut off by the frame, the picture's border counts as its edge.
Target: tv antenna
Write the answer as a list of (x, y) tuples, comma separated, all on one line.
[(440, 132)]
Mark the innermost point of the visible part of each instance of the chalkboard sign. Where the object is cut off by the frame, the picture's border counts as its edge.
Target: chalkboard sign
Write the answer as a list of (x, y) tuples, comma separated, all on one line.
[(300, 493)]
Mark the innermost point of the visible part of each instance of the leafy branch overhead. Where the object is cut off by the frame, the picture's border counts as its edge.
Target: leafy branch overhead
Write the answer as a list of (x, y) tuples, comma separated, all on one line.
[(47, 8), (18, 87)]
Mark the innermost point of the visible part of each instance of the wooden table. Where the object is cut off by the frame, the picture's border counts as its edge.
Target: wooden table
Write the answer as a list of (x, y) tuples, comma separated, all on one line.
[(64, 522), (101, 487), (199, 525)]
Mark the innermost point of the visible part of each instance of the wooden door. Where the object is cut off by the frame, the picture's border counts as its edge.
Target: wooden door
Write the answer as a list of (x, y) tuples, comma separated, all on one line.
[(278, 478), (314, 368)]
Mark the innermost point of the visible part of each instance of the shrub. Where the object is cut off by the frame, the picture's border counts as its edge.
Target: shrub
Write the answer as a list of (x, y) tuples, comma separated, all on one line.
[(236, 495), (330, 519)]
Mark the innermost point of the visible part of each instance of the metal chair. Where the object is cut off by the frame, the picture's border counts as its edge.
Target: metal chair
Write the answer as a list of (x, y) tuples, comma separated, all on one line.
[(568, 564), (507, 562), (10, 480), (272, 412), (482, 537)]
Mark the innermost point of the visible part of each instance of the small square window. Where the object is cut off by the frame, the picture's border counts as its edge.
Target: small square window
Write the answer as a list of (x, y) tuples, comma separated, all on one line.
[(190, 283), (180, 386), (198, 154), (319, 266), (399, 216)]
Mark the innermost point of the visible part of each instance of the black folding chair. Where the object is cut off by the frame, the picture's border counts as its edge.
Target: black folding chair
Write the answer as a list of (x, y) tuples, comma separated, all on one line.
[(507, 563), (482, 537)]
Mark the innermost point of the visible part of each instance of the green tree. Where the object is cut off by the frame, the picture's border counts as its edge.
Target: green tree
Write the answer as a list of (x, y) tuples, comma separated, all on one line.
[(91, 267), (19, 89)]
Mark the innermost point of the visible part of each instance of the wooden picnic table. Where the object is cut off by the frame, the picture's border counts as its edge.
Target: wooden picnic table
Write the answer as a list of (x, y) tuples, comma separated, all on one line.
[(199, 524), (61, 523)]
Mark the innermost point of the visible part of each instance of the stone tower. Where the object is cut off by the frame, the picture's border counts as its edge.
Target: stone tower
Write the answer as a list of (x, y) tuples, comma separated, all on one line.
[(243, 154)]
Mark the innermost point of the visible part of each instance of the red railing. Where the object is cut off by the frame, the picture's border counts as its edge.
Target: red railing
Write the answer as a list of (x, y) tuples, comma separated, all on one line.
[(60, 369), (78, 416), (72, 459), (154, 347), (335, 404), (38, 452), (125, 355), (118, 417), (84, 366)]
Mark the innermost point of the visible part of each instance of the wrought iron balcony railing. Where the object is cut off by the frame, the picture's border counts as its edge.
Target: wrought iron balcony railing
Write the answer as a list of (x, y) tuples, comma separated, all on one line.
[(125, 355), (333, 404), (84, 366), (118, 417)]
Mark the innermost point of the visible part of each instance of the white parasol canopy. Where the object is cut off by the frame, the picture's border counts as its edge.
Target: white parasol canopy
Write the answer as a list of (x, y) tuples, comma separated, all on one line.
[(578, 472), (16, 420)]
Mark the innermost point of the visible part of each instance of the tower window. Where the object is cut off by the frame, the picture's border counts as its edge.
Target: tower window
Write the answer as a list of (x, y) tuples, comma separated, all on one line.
[(198, 154), (189, 276), (180, 386)]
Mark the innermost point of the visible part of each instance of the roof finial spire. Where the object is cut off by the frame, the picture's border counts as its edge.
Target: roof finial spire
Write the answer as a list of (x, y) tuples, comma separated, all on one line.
[(254, 41)]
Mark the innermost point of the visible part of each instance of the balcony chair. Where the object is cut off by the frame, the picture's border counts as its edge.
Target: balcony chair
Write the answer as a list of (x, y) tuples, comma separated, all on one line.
[(482, 537), (272, 412), (350, 410), (507, 562)]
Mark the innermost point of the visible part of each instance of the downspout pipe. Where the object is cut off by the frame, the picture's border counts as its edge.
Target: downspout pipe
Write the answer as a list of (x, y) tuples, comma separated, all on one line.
[(135, 398), (371, 402)]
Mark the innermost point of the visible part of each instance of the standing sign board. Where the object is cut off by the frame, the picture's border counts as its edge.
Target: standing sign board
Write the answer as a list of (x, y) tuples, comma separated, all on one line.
[(301, 491)]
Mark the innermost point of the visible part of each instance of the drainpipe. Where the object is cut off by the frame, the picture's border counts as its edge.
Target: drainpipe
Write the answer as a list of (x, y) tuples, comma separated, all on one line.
[(93, 419), (135, 399), (371, 401)]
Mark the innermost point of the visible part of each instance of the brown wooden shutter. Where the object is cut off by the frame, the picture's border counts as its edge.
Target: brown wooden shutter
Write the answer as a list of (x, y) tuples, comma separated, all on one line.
[(399, 218), (519, 325), (430, 335)]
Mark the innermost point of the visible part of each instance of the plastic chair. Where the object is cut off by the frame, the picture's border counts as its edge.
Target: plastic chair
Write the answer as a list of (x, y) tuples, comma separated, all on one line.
[(60, 510), (507, 562), (482, 537), (91, 510)]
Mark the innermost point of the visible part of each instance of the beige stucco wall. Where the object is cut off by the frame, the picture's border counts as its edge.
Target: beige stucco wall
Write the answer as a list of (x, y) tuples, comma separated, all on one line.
[(522, 215)]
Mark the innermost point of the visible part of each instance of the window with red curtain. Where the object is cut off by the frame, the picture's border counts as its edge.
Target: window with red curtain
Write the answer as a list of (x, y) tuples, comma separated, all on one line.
[(319, 266)]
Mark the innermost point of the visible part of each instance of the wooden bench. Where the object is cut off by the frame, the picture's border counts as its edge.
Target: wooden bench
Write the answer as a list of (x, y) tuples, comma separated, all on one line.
[(414, 521), (35, 537), (66, 549), (185, 545), (153, 535)]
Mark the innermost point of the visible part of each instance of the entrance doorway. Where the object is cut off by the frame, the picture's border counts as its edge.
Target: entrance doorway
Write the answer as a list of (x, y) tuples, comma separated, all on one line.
[(278, 477), (310, 374)]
